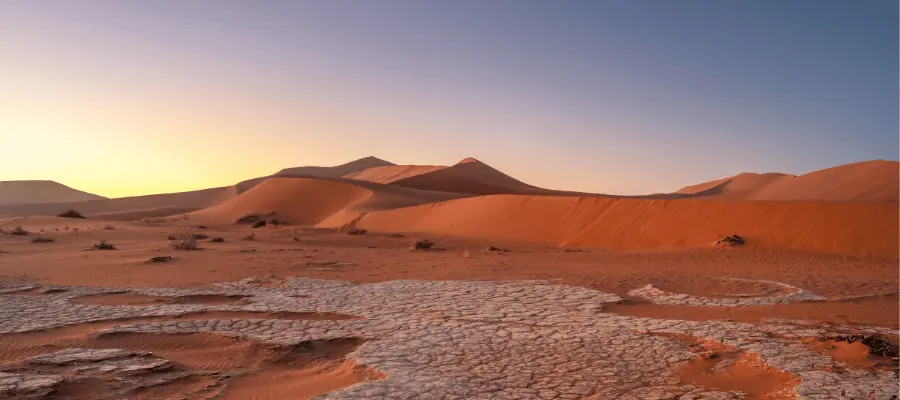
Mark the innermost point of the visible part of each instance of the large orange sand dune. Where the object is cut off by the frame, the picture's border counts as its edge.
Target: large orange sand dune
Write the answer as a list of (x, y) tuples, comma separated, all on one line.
[(869, 181), (635, 224)]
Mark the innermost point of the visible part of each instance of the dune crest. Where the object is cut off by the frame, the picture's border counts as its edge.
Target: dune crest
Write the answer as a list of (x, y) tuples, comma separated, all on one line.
[(868, 181)]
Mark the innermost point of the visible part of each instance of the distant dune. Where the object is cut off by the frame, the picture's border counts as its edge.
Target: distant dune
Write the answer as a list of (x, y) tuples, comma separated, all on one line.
[(467, 176), (637, 224), (30, 192), (308, 201), (870, 181), (336, 171), (850, 209), (392, 173), (120, 207)]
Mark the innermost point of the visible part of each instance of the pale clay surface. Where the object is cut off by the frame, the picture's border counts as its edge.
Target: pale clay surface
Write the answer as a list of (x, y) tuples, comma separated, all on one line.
[(463, 340)]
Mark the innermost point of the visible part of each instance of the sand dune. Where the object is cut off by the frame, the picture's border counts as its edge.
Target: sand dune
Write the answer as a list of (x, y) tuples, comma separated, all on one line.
[(307, 201), (392, 173), (30, 192), (634, 224), (175, 202), (870, 181), (336, 171), (468, 176)]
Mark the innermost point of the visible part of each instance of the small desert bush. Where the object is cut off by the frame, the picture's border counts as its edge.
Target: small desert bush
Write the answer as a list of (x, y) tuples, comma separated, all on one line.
[(357, 231), (248, 219), (259, 224), (71, 213), (18, 231), (42, 239), (423, 244), (217, 240), (200, 236), (103, 245), (160, 259), (202, 227), (109, 227)]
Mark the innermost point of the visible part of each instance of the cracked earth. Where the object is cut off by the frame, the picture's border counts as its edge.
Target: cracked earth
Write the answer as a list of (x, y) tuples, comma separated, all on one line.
[(417, 339)]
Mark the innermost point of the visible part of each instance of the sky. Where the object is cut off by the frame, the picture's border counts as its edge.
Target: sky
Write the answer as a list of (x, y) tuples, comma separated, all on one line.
[(612, 96)]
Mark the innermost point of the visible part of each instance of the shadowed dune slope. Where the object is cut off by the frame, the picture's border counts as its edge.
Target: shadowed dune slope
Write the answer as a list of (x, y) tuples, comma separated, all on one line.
[(469, 176), (307, 201), (336, 171), (392, 173), (636, 224), (31, 192), (869, 181), (139, 206)]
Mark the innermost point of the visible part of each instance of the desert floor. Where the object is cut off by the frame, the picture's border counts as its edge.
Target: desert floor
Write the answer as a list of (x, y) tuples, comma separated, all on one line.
[(300, 313)]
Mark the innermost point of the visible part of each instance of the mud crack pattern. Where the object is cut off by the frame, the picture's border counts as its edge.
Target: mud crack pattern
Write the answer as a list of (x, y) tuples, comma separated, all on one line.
[(465, 340)]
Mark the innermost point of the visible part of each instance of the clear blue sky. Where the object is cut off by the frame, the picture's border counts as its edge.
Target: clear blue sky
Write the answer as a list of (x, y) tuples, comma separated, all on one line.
[(625, 96)]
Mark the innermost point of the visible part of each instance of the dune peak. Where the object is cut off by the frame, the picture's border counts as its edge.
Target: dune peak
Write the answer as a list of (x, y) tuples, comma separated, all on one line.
[(469, 160)]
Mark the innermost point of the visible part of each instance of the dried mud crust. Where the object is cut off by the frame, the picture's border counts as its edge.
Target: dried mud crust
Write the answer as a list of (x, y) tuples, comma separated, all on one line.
[(464, 340), (783, 294)]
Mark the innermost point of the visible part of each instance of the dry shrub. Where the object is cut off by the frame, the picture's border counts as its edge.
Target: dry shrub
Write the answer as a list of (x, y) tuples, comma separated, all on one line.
[(217, 240), (103, 245), (42, 239), (259, 224), (423, 244), (71, 213), (357, 231)]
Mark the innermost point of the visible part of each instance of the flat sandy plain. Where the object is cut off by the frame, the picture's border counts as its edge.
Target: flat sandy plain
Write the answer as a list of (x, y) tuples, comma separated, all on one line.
[(307, 312)]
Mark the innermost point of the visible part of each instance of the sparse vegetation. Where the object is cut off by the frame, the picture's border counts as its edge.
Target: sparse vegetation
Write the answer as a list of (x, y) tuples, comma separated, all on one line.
[(71, 213), (259, 224), (18, 231), (109, 227), (423, 244), (357, 231), (202, 227), (173, 237), (733, 240), (217, 240), (200, 236), (103, 245), (160, 259), (42, 239), (274, 221), (248, 219)]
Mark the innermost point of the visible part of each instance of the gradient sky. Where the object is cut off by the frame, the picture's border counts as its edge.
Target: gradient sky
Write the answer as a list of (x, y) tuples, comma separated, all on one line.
[(627, 96)]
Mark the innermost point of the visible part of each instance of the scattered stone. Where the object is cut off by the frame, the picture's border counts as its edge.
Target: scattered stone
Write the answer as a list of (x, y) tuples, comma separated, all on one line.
[(492, 248), (202, 227), (109, 227)]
